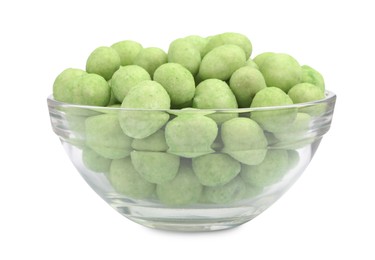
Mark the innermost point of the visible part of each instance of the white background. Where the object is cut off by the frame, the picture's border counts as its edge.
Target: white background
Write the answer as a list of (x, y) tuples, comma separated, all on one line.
[(47, 211)]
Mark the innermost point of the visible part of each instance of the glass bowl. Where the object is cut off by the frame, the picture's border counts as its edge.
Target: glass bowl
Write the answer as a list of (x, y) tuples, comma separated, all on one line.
[(191, 169)]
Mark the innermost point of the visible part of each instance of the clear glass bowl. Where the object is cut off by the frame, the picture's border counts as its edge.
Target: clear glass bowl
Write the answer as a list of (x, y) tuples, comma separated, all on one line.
[(191, 169)]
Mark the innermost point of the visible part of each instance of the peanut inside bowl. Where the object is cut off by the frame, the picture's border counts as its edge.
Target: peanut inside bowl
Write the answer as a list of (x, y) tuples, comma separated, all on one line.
[(191, 174)]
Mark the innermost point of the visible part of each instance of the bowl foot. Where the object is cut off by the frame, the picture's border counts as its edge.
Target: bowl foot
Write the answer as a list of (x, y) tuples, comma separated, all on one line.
[(189, 220), (190, 225)]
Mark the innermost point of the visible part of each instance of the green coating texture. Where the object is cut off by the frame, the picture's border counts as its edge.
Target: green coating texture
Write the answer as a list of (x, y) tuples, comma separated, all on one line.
[(260, 58), (125, 78), (150, 59), (305, 92), (245, 83), (251, 63), (221, 62), (127, 181), (295, 135), (312, 76), (112, 100), (183, 190), (191, 135), (94, 161), (64, 83), (273, 120), (104, 136), (215, 94), (177, 81), (153, 143), (184, 52), (215, 169), (103, 61), (244, 140), (114, 106), (147, 95), (296, 130), (76, 124), (155, 167), (127, 50), (230, 38), (252, 191), (281, 70), (271, 170), (91, 90), (198, 42), (233, 191)]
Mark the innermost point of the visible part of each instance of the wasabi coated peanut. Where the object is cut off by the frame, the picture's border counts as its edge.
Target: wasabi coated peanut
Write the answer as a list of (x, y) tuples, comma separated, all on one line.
[(221, 62), (143, 123), (127, 181), (190, 135), (125, 78), (312, 76), (215, 94), (230, 38), (273, 120), (94, 161), (183, 52), (215, 169), (91, 90), (184, 189), (76, 124), (296, 134), (306, 92), (233, 191), (245, 83), (177, 81), (105, 136), (153, 143), (75, 117), (296, 130), (103, 61), (155, 167), (260, 58), (198, 42), (127, 51), (244, 140), (63, 84), (227, 193), (252, 191), (150, 59), (270, 171), (281, 70)]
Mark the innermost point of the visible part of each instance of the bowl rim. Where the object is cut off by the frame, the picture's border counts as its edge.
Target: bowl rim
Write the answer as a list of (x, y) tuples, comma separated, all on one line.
[(330, 97)]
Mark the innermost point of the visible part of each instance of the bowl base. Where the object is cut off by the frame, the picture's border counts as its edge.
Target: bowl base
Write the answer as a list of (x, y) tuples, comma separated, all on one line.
[(188, 219), (191, 225)]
